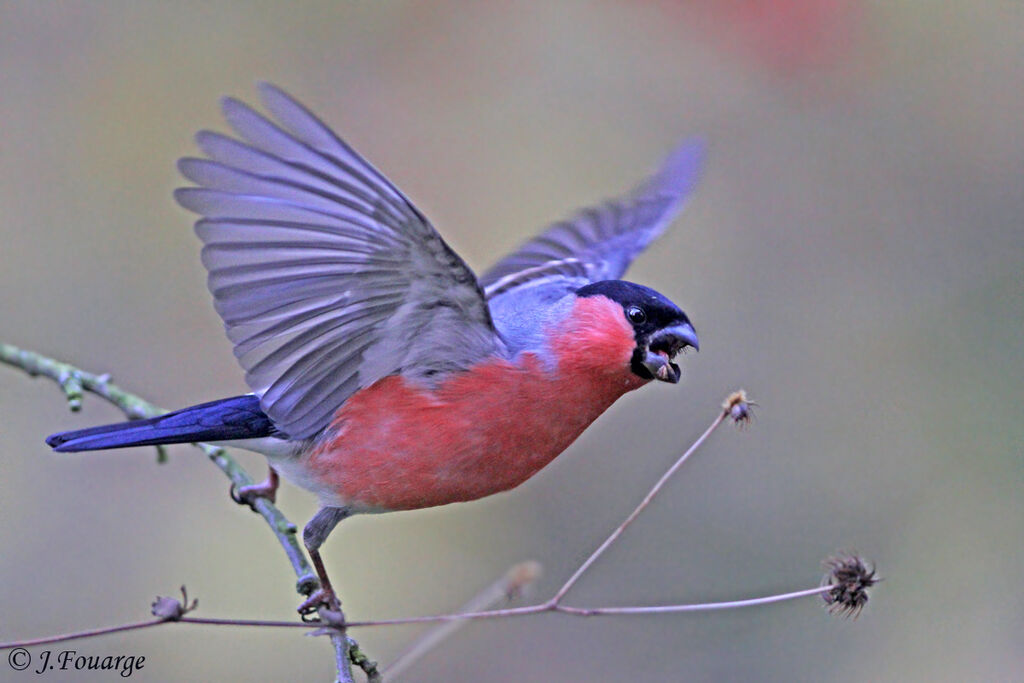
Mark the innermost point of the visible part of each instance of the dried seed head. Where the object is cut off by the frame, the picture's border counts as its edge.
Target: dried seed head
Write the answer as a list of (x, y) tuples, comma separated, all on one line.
[(850, 579), (739, 407), (171, 609)]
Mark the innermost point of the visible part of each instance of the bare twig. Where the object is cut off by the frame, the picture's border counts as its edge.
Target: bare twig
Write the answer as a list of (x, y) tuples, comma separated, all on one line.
[(639, 508), (697, 607), (844, 589), (74, 381), (518, 579), (77, 635), (341, 659), (541, 608), (135, 407)]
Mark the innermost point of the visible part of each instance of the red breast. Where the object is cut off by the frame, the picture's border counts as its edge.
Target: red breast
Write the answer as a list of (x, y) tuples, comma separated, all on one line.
[(399, 445)]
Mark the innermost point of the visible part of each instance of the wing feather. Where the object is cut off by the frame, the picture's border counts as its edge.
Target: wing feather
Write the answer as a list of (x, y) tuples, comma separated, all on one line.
[(599, 243), (326, 276)]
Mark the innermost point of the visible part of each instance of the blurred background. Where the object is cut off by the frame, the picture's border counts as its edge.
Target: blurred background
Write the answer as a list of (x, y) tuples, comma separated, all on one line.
[(854, 258)]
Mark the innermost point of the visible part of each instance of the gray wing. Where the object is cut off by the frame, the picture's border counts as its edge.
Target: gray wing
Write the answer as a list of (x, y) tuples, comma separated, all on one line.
[(326, 276), (600, 242)]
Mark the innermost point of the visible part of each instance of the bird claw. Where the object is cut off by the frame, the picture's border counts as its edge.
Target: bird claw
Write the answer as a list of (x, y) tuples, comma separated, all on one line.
[(248, 495), (325, 603)]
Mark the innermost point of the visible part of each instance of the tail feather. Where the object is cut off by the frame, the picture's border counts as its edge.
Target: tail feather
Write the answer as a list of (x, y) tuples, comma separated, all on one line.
[(239, 417)]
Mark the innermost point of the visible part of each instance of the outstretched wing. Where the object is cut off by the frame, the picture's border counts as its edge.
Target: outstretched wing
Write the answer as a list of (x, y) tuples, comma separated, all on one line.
[(600, 242), (326, 276)]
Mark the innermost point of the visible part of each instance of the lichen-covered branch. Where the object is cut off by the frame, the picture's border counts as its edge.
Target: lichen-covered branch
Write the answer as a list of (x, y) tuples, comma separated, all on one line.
[(75, 382)]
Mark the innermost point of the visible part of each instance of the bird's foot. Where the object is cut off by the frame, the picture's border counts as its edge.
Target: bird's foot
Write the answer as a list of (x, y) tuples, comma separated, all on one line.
[(325, 603), (248, 495)]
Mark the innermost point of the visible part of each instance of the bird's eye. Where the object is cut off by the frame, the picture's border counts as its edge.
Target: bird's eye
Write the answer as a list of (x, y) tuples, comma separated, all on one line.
[(636, 315)]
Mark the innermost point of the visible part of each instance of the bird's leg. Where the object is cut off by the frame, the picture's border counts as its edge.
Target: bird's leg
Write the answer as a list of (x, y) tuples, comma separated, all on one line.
[(313, 536), (247, 495)]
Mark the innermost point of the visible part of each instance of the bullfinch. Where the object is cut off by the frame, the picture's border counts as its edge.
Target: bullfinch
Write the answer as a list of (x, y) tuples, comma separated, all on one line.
[(385, 375)]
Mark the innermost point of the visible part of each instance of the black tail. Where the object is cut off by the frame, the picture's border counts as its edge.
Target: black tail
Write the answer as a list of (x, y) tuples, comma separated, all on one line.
[(239, 417)]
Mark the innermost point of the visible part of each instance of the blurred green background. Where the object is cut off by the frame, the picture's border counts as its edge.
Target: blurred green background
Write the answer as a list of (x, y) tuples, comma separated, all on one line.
[(854, 258)]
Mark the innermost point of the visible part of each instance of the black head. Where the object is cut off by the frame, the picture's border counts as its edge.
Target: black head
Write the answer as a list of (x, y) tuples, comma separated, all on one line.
[(660, 328)]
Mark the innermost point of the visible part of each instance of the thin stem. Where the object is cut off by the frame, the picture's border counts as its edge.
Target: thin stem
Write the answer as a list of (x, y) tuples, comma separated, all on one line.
[(267, 623), (639, 508), (697, 607), (341, 658), (517, 579), (135, 407), (283, 529), (463, 616), (91, 633), (74, 381), (851, 577), (597, 611), (434, 618)]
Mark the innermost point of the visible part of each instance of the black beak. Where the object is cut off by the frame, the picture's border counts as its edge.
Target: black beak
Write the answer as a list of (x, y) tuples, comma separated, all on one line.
[(663, 347)]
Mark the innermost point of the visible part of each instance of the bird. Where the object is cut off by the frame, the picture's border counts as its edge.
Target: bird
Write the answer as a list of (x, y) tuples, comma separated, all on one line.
[(384, 374)]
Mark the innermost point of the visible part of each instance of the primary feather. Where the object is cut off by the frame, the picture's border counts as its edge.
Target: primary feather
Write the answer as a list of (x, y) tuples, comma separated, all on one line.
[(326, 276), (600, 242), (328, 279)]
